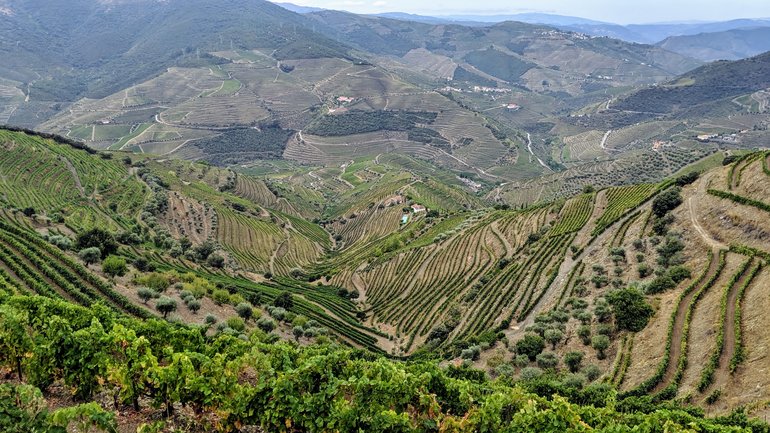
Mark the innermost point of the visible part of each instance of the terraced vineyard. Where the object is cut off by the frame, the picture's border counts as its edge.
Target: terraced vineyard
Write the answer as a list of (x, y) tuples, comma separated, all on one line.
[(464, 276), (574, 215), (57, 179), (620, 200), (33, 266)]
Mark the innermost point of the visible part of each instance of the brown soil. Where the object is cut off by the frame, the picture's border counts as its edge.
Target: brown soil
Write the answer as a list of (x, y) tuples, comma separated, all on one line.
[(703, 327), (188, 217), (681, 314), (722, 374), (750, 384)]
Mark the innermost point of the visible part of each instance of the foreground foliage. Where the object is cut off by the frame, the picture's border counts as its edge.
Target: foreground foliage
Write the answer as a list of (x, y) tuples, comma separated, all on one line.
[(229, 382)]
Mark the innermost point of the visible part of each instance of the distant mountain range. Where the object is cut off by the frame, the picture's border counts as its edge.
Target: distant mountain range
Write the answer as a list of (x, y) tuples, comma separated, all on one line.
[(705, 41), (728, 45)]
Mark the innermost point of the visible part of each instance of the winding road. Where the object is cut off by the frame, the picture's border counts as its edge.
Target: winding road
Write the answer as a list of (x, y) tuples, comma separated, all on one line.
[(529, 148)]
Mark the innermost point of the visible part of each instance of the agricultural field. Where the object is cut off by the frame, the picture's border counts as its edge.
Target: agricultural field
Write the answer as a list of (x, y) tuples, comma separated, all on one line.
[(341, 238)]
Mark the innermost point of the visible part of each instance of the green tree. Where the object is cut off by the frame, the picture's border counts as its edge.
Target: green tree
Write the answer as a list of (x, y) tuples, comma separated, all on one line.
[(573, 360), (98, 238), (145, 294), (531, 345), (90, 255), (284, 300), (114, 266), (631, 310), (584, 332), (553, 336), (244, 310), (600, 343), (215, 261), (165, 305), (666, 201)]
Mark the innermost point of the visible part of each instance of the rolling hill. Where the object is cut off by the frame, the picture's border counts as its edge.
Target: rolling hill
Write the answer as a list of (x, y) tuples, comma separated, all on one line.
[(483, 278), (726, 45), (61, 59), (702, 88)]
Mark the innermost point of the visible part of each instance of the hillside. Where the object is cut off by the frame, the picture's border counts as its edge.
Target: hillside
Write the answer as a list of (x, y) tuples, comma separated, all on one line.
[(61, 59), (601, 277), (727, 45), (544, 46), (700, 87)]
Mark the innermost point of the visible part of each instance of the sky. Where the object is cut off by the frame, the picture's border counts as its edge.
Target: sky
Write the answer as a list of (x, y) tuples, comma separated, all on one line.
[(616, 11)]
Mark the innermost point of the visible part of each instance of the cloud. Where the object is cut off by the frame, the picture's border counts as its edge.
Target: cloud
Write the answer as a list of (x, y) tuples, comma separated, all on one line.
[(379, 3)]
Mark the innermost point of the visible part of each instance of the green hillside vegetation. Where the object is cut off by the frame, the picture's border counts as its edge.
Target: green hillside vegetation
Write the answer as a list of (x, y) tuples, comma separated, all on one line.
[(498, 64), (145, 40), (225, 383), (706, 84), (232, 265), (359, 122), (241, 145)]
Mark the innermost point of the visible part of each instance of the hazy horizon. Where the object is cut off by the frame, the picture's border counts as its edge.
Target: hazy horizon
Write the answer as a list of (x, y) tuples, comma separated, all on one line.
[(650, 12)]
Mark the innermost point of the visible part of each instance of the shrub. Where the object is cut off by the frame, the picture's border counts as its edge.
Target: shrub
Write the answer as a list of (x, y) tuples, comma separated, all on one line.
[(573, 360), (531, 345), (504, 370), (584, 317), (90, 255), (266, 324), (236, 323), (145, 294), (220, 296), (600, 343), (141, 264), (604, 329), (687, 179), (165, 305), (210, 319), (194, 305), (679, 273), (644, 270), (531, 373), (592, 372), (574, 381), (244, 310), (547, 361), (660, 284), (521, 361), (472, 353), (714, 396), (114, 266), (602, 310), (62, 242), (631, 310)]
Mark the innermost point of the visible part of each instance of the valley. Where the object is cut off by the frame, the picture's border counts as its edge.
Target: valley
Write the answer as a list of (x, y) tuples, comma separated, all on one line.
[(240, 217)]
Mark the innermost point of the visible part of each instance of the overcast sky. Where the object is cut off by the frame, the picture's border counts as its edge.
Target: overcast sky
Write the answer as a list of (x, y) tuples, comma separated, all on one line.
[(617, 11)]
